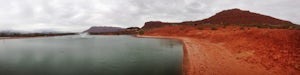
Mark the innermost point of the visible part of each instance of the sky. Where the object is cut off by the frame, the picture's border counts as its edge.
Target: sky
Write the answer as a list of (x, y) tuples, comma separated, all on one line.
[(79, 15)]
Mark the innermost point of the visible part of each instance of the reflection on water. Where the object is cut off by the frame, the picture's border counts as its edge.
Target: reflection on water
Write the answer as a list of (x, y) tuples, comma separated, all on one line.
[(97, 55)]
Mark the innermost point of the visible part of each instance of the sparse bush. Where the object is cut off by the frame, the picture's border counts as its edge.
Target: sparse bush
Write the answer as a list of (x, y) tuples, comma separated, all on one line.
[(272, 27), (258, 26), (141, 32), (284, 27), (242, 28), (200, 27), (225, 25), (181, 28), (291, 27), (261, 26), (214, 28), (297, 27)]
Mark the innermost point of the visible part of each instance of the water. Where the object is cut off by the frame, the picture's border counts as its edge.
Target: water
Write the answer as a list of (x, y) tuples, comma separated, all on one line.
[(90, 55)]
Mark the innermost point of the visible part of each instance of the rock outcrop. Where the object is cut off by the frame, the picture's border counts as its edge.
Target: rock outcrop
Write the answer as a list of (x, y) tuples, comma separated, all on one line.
[(102, 29)]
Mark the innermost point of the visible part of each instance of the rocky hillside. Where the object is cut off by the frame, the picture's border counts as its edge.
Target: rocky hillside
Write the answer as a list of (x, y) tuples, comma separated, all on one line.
[(154, 24), (237, 16), (230, 17)]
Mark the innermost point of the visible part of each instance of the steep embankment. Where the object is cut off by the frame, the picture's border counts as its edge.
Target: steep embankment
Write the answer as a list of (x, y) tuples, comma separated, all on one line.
[(233, 50)]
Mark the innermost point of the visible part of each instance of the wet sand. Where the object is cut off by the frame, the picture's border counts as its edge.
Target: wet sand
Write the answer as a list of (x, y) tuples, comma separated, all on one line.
[(202, 57)]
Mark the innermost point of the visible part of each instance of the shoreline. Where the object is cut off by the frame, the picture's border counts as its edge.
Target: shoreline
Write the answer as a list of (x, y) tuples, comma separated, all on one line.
[(185, 61), (201, 57)]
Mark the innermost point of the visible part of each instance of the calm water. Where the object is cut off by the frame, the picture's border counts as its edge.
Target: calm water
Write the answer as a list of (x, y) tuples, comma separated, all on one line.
[(90, 55)]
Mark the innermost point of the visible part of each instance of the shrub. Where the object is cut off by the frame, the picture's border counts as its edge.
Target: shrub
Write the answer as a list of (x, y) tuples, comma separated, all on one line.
[(242, 28), (213, 28), (291, 27), (141, 32), (258, 26), (181, 28), (273, 27), (261, 26), (200, 27), (297, 27), (225, 25)]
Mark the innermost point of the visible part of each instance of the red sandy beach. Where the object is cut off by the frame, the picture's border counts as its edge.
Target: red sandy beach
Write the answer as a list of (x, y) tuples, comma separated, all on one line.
[(212, 53), (206, 58)]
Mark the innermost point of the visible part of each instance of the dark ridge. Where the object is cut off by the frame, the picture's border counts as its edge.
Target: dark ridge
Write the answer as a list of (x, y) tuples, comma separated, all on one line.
[(103, 29)]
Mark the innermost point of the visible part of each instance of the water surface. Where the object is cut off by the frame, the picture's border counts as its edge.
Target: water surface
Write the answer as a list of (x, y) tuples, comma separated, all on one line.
[(90, 55)]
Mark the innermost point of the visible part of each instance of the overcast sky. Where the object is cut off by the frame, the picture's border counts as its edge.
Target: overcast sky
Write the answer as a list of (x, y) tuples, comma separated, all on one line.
[(78, 15)]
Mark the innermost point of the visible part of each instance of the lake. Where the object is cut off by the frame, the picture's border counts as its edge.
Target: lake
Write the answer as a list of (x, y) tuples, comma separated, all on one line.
[(90, 55)]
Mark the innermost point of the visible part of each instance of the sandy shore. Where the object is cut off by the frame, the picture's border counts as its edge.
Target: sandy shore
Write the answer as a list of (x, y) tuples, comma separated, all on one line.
[(202, 57)]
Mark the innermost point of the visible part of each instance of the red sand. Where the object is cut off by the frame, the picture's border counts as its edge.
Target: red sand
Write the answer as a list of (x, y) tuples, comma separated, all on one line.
[(232, 51)]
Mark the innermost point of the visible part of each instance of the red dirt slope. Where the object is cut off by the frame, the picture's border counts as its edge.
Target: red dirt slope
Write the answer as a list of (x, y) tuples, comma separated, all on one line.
[(237, 16), (277, 50), (226, 17)]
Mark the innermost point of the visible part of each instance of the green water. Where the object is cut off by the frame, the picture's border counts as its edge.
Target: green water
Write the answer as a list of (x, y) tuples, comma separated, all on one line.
[(90, 55)]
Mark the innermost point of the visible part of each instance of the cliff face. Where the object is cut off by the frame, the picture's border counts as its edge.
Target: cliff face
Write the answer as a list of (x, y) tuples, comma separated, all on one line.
[(237, 16), (102, 29), (232, 16), (157, 24), (154, 24)]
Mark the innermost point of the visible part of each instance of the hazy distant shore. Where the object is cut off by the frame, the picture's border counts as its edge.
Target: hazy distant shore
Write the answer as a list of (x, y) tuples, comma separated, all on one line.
[(2, 38), (31, 35)]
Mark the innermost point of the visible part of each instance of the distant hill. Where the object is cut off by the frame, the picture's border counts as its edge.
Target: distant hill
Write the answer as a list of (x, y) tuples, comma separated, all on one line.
[(103, 29), (231, 16), (154, 24), (32, 34)]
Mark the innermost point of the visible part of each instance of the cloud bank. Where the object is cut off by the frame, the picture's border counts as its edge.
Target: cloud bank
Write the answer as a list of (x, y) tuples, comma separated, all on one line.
[(78, 15)]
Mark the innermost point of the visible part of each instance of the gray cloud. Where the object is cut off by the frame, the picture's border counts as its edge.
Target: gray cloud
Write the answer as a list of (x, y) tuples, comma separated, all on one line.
[(77, 15)]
